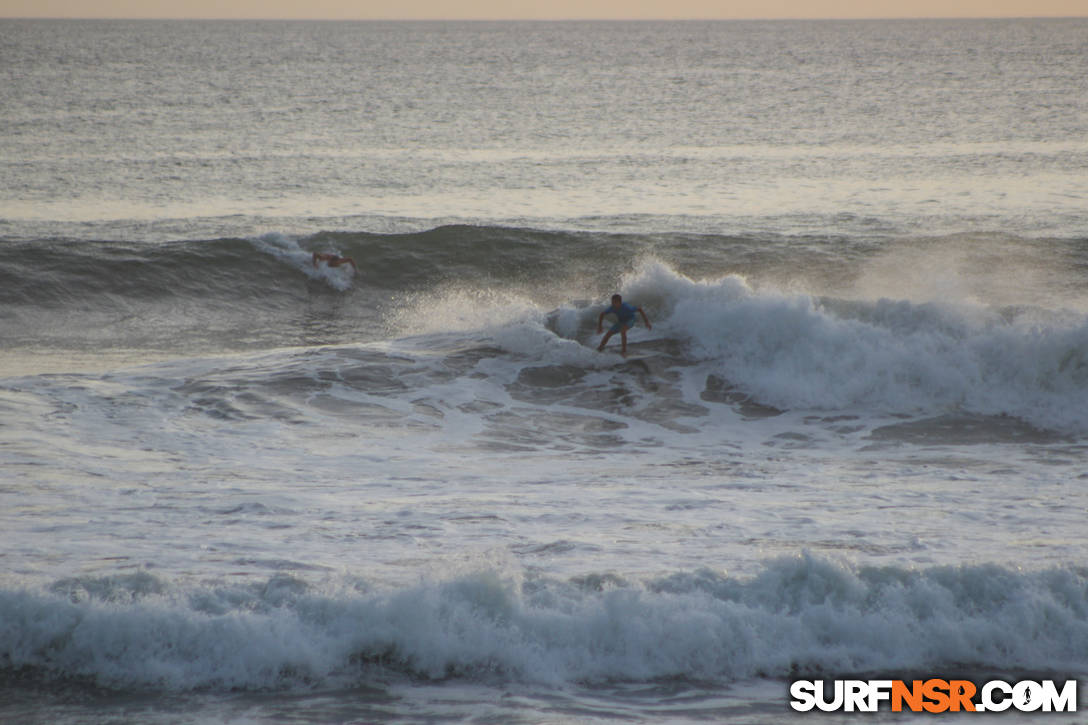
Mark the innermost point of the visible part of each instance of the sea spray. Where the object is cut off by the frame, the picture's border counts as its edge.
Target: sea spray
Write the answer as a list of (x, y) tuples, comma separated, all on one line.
[(799, 614)]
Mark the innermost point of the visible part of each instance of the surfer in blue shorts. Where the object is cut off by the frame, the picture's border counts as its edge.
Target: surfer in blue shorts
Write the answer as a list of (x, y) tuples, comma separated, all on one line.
[(625, 320)]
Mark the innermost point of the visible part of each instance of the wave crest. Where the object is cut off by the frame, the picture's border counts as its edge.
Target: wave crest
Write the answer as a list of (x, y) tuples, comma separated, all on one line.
[(800, 614)]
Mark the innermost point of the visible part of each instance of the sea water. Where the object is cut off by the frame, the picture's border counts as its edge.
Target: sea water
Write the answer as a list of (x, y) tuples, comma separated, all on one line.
[(239, 487)]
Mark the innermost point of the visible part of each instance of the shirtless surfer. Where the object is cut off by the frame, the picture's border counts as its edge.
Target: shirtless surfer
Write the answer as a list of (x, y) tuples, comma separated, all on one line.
[(625, 320), (333, 260)]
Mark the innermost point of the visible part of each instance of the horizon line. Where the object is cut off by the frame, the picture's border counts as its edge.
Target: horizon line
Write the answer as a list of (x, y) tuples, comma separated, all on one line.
[(546, 20)]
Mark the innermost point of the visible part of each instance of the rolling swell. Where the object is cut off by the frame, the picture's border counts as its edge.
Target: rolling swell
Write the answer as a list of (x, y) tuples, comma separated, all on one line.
[(179, 297), (58, 272), (271, 267)]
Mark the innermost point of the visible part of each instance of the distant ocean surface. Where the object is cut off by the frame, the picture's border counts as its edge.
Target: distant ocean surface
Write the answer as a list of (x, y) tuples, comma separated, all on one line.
[(239, 487)]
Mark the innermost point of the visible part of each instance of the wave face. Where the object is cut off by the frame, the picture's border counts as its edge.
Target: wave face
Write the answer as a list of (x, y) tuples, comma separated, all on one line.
[(800, 615), (990, 269), (59, 272), (259, 292)]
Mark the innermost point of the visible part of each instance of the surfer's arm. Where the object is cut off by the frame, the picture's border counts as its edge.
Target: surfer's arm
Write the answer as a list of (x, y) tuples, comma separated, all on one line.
[(600, 321), (645, 319)]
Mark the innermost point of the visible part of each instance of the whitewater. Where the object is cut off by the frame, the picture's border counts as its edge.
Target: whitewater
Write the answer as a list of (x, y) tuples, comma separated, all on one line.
[(239, 485)]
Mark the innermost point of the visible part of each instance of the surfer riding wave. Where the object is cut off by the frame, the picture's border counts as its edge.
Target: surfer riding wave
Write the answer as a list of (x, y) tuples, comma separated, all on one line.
[(625, 320)]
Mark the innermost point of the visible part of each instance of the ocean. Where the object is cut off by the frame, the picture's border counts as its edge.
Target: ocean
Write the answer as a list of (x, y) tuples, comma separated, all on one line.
[(238, 485)]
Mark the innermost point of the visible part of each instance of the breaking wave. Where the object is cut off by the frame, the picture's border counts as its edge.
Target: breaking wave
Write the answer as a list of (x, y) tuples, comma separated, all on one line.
[(728, 310), (799, 615)]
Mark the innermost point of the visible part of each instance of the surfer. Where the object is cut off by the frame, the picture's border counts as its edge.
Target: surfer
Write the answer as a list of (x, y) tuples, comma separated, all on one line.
[(625, 320), (333, 260)]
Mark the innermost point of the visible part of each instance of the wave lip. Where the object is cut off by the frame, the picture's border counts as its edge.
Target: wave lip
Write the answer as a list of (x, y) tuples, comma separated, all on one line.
[(799, 615), (796, 351)]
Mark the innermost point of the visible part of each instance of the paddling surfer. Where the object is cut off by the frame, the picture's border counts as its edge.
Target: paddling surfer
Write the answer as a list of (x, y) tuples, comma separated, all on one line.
[(333, 260), (625, 320)]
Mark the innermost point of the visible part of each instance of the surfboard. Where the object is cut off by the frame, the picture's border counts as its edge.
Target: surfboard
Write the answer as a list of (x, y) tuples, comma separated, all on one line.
[(631, 356)]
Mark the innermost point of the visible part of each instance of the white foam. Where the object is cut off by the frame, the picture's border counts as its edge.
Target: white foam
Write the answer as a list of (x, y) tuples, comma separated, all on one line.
[(797, 351), (287, 249), (799, 612)]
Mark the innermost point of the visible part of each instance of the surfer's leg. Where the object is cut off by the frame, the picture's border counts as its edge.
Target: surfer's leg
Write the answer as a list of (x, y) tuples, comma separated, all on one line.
[(604, 340), (623, 341)]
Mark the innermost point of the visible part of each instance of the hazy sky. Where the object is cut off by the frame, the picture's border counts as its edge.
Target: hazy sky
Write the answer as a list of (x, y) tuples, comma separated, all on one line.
[(539, 9)]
